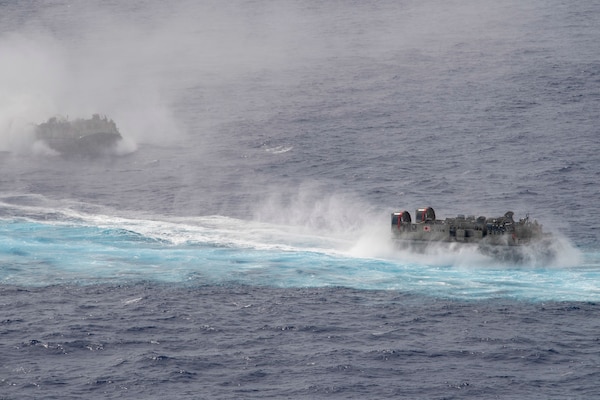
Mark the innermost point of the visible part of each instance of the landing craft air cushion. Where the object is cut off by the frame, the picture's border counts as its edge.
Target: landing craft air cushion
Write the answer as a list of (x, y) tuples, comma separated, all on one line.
[(80, 137), (501, 237)]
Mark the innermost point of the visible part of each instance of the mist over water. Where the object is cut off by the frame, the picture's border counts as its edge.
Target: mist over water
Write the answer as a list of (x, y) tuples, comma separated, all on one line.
[(241, 238), (319, 117)]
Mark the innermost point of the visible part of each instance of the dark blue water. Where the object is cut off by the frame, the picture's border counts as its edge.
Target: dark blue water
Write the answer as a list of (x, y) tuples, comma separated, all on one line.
[(150, 341), (238, 246)]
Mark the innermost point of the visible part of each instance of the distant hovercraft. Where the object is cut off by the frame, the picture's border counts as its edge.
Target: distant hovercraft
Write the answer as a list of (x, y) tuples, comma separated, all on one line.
[(94, 136)]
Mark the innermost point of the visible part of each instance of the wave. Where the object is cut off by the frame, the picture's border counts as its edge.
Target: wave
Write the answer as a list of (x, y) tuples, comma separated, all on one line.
[(43, 245)]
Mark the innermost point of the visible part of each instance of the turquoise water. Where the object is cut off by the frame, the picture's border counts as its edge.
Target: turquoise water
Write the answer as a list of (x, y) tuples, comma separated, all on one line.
[(220, 250)]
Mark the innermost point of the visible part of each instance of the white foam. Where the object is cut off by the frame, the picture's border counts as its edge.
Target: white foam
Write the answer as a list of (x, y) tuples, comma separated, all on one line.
[(279, 149)]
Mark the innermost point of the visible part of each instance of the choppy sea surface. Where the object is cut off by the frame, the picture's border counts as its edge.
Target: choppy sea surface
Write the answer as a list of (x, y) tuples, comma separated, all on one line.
[(238, 245)]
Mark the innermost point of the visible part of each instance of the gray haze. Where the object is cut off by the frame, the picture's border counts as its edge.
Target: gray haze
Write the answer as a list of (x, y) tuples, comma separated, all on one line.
[(304, 112)]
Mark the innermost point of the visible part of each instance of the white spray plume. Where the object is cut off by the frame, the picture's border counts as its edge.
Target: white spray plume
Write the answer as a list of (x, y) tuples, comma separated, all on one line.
[(105, 71)]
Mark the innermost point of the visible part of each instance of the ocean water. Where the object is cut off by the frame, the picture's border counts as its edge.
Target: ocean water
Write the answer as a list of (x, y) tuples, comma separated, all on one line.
[(238, 243)]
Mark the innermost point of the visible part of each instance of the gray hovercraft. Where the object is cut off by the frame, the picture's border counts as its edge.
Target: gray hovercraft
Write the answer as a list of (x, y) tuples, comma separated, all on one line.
[(500, 237), (94, 136)]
